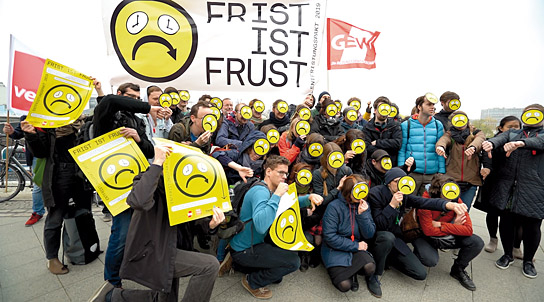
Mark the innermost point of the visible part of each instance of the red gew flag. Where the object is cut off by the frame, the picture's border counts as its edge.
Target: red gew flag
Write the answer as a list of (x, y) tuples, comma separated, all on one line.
[(349, 46)]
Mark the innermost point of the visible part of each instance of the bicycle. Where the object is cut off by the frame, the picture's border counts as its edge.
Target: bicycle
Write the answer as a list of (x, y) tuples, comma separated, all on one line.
[(17, 175)]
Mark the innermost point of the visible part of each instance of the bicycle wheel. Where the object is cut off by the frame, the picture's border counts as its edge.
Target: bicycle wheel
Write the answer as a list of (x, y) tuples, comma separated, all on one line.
[(15, 182)]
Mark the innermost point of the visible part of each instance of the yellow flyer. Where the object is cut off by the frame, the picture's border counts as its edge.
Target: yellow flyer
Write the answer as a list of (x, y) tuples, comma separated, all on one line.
[(110, 162), (286, 230), (194, 182), (61, 98)]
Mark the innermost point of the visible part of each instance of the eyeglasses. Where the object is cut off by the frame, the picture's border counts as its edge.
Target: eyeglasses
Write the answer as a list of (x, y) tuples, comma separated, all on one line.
[(283, 173)]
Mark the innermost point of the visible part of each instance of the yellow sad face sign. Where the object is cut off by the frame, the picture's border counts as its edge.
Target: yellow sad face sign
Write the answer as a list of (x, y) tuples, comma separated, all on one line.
[(209, 122), (351, 115), (394, 112), (118, 170), (273, 136), (216, 112), (217, 102), (315, 149), (155, 41), (386, 163), (165, 100), (454, 104), (184, 95), (384, 109), (62, 100), (261, 146), (407, 185), (194, 176), (431, 98), (331, 110), (304, 114), (459, 120), (336, 159), (451, 191), (338, 105), (175, 98), (283, 107), (304, 177), (355, 104), (246, 112), (358, 146), (258, 106), (360, 190), (302, 127), (532, 117)]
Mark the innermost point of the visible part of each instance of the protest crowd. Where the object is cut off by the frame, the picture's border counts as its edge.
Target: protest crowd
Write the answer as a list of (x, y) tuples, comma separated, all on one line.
[(376, 190)]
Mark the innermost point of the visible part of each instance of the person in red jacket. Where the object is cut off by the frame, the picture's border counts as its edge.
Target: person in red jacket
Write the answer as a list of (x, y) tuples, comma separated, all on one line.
[(435, 224), (291, 143)]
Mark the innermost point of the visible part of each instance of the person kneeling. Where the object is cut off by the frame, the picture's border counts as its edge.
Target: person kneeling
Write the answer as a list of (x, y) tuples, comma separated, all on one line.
[(447, 230), (151, 258)]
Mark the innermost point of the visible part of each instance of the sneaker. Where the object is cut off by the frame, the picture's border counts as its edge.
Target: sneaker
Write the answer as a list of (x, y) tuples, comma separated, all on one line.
[(304, 262), (33, 219), (259, 293), (504, 262), (226, 265), (529, 270), (517, 253), (101, 292), (491, 247), (374, 286), (463, 278), (354, 283), (107, 217)]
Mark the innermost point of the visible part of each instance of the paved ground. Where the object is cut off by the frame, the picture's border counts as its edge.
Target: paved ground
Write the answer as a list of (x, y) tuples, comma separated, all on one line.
[(24, 277)]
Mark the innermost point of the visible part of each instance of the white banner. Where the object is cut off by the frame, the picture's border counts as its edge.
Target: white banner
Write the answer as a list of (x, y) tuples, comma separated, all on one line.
[(269, 47)]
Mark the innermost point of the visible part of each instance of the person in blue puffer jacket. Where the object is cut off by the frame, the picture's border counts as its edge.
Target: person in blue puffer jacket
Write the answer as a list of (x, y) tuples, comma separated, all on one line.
[(347, 224), (419, 136)]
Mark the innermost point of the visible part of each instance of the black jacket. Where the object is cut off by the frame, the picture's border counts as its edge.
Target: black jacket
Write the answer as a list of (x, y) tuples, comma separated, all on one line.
[(443, 116), (331, 129), (388, 139)]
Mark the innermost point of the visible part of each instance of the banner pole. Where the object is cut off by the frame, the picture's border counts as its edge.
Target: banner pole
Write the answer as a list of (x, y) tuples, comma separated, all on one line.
[(7, 158)]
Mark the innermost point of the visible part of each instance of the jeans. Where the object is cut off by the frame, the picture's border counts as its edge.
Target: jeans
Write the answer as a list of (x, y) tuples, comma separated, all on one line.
[(202, 268), (116, 246), (469, 248), (37, 198), (222, 249), (269, 263), (468, 195)]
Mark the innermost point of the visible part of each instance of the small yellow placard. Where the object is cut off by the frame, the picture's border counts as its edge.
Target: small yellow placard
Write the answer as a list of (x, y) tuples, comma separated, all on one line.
[(286, 230), (62, 96), (194, 182), (110, 162)]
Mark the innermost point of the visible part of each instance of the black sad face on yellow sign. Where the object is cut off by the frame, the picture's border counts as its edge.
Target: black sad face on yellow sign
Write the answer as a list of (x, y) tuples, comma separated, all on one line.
[(384, 109), (338, 105), (360, 190), (165, 100), (532, 117), (287, 226), (216, 112), (184, 95), (155, 41), (258, 106), (217, 102), (315, 149), (194, 176), (118, 170), (246, 112), (358, 146), (450, 190), (304, 114), (304, 177), (407, 185), (283, 106), (386, 163), (393, 112), (336, 159), (261, 146), (62, 100), (355, 104), (175, 97), (351, 115), (331, 110), (454, 104), (209, 122), (302, 127), (273, 136), (459, 120), (431, 97)]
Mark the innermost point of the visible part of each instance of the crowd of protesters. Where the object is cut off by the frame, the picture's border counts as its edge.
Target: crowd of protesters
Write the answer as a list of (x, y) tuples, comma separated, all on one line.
[(352, 234)]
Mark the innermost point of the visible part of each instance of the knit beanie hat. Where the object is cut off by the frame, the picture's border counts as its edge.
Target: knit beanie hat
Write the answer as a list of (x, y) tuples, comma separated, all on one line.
[(392, 174)]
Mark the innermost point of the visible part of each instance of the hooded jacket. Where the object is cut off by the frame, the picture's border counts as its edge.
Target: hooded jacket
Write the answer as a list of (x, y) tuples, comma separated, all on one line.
[(389, 138), (331, 129), (233, 133), (181, 132)]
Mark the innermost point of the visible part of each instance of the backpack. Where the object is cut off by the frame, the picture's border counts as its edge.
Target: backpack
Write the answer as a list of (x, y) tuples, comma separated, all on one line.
[(80, 240), (233, 225)]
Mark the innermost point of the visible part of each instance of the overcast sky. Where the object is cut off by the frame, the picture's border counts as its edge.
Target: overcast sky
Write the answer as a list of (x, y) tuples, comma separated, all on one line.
[(489, 52)]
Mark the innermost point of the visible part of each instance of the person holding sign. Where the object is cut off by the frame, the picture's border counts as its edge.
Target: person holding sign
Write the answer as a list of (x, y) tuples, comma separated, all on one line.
[(157, 124), (350, 116), (450, 102), (250, 252), (235, 128), (436, 224), (279, 116), (388, 203), (520, 193), (347, 224), (191, 130), (376, 167), (326, 123), (60, 183), (151, 257), (293, 140)]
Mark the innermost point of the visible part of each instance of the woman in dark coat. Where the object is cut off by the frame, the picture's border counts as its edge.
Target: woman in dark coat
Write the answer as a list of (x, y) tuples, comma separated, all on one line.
[(519, 194)]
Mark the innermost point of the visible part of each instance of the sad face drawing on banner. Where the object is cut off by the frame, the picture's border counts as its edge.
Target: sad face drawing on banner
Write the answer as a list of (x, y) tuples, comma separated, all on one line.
[(62, 100), (118, 170)]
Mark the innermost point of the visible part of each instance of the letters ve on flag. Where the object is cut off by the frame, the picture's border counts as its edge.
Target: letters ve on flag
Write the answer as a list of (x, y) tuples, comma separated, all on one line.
[(349, 46)]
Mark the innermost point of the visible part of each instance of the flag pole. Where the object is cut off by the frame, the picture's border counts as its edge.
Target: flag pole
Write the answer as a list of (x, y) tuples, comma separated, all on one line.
[(7, 158)]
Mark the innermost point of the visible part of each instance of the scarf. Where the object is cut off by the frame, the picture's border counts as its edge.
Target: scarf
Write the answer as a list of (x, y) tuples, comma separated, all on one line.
[(307, 158), (459, 136), (279, 122), (69, 129), (253, 164)]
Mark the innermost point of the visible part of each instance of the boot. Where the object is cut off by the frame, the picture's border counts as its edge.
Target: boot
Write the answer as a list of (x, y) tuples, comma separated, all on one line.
[(56, 267), (491, 247), (354, 283)]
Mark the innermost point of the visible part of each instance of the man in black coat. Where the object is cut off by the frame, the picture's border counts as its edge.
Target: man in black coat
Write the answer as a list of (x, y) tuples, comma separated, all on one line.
[(383, 133)]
